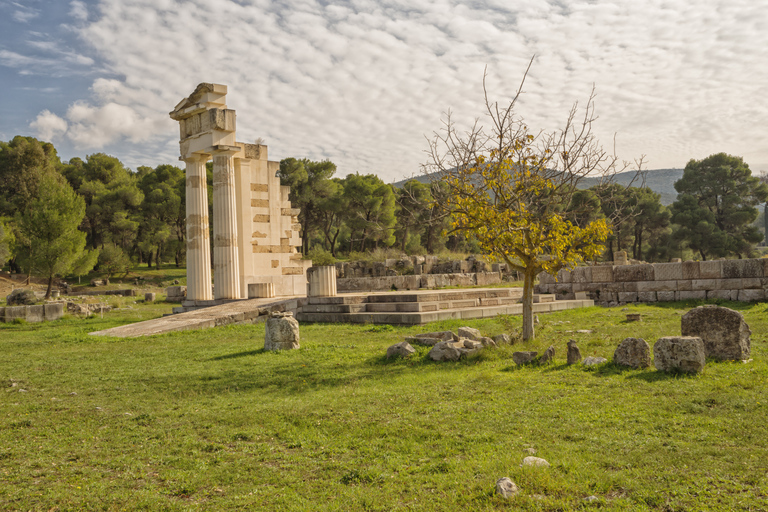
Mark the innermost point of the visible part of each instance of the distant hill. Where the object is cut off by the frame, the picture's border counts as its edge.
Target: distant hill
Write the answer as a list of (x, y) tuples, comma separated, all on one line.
[(661, 181)]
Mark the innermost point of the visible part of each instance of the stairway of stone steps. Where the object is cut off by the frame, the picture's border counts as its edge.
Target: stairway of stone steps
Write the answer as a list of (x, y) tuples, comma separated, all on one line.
[(414, 308)]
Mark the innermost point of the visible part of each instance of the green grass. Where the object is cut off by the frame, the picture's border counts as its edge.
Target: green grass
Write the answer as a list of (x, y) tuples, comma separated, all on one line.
[(206, 420)]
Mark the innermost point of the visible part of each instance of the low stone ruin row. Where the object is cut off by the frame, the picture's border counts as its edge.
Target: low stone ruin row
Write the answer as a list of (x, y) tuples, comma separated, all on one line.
[(743, 280)]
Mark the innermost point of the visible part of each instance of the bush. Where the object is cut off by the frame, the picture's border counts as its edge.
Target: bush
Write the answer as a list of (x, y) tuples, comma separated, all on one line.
[(21, 297), (320, 257)]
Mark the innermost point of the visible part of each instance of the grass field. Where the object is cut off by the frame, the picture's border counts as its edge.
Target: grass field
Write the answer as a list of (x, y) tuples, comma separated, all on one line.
[(206, 420)]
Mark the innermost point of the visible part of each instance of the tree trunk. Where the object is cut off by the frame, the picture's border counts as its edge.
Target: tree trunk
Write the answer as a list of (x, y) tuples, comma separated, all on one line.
[(529, 276), (50, 285)]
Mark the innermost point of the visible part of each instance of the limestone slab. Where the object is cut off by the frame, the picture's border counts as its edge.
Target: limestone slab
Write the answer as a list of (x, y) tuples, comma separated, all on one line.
[(723, 294), (751, 295), (690, 295), (627, 296), (656, 286), (602, 274), (691, 270), (711, 269), (667, 271), (581, 275), (665, 296), (646, 296), (643, 272)]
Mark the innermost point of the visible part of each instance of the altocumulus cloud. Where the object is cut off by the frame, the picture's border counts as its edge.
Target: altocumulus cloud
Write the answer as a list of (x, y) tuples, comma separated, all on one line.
[(361, 82)]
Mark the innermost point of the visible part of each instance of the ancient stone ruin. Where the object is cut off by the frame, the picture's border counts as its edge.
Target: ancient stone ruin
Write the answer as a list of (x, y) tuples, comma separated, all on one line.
[(724, 332), (255, 230)]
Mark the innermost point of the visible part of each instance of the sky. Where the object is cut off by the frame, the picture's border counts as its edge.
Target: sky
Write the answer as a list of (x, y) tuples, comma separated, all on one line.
[(366, 83)]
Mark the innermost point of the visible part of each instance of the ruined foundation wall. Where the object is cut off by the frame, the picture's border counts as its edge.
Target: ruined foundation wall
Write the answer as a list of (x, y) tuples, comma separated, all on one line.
[(743, 280)]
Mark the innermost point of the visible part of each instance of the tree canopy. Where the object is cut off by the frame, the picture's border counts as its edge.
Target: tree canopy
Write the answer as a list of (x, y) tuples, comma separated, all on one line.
[(716, 206)]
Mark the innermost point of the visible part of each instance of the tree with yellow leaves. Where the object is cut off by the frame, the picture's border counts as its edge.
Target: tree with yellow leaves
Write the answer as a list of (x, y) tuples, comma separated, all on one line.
[(513, 190)]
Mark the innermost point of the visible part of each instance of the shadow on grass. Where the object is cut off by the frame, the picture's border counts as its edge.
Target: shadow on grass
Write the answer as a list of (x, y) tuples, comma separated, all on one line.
[(236, 355)]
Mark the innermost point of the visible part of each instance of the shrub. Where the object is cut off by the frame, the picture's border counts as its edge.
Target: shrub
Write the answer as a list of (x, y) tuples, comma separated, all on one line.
[(320, 257), (21, 297)]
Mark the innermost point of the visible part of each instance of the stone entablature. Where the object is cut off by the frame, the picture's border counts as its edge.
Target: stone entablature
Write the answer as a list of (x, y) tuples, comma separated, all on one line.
[(255, 230), (744, 280)]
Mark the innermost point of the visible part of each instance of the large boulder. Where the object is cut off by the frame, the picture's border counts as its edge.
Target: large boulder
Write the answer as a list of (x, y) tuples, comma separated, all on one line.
[(633, 352), (21, 297), (282, 332), (679, 353), (724, 332)]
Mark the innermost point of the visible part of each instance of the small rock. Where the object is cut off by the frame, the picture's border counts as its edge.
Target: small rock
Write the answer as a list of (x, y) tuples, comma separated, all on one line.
[(21, 390), (128, 414), (592, 360), (506, 488), (402, 349), (535, 462), (521, 358), (487, 342), (584, 331), (469, 332), (472, 344), (548, 355), (590, 499), (73, 393), (503, 339), (439, 335), (445, 351), (418, 340), (530, 451), (633, 317), (574, 354)]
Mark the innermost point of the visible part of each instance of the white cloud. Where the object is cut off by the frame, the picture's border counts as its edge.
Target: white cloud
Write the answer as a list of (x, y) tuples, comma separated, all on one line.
[(48, 126), (23, 13), (78, 10), (361, 82)]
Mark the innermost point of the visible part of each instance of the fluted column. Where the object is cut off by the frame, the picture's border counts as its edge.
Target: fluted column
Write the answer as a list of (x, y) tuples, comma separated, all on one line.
[(322, 281), (226, 262), (198, 242)]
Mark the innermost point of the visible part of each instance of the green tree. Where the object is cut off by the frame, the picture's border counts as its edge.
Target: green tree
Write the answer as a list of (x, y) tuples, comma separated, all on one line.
[(6, 240), (510, 190), (24, 162), (716, 206), (112, 199), (414, 201), (332, 211), (310, 185), (51, 243), (371, 211), (163, 215)]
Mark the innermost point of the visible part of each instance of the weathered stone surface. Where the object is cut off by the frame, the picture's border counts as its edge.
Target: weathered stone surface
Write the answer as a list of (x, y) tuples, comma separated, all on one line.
[(523, 357), (175, 293), (711, 269), (592, 360), (428, 342), (684, 285), (402, 349), (646, 296), (690, 295), (691, 270), (751, 295), (446, 351), (628, 296), (574, 354), (281, 332), (642, 272), (633, 317), (487, 342), (536, 462), (602, 274), (469, 332), (564, 276), (723, 331), (21, 297), (548, 355), (723, 294), (667, 271), (742, 268), (503, 339), (665, 296), (471, 344), (149, 297), (506, 488), (441, 335), (581, 275), (633, 352), (705, 284), (656, 286), (681, 353)]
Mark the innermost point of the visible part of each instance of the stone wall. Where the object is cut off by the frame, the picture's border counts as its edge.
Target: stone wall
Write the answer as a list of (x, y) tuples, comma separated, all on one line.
[(415, 265), (743, 280)]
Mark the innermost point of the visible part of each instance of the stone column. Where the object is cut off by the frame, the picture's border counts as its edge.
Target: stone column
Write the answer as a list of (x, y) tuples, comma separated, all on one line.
[(198, 241), (226, 261), (322, 282)]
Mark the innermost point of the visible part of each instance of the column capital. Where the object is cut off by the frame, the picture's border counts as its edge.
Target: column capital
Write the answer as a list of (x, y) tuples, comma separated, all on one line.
[(195, 157), (223, 149)]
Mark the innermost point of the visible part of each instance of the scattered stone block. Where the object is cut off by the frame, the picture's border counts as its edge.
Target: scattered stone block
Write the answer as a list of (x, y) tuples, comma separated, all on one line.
[(149, 297), (502, 339), (592, 360), (574, 354), (402, 349), (548, 355), (521, 358), (446, 351), (633, 352), (506, 488), (485, 341), (469, 332), (679, 353), (535, 462), (428, 342), (281, 332), (725, 334), (633, 317), (620, 258)]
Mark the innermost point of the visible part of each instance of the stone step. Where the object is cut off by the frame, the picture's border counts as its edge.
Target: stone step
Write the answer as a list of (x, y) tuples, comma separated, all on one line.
[(334, 308)]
